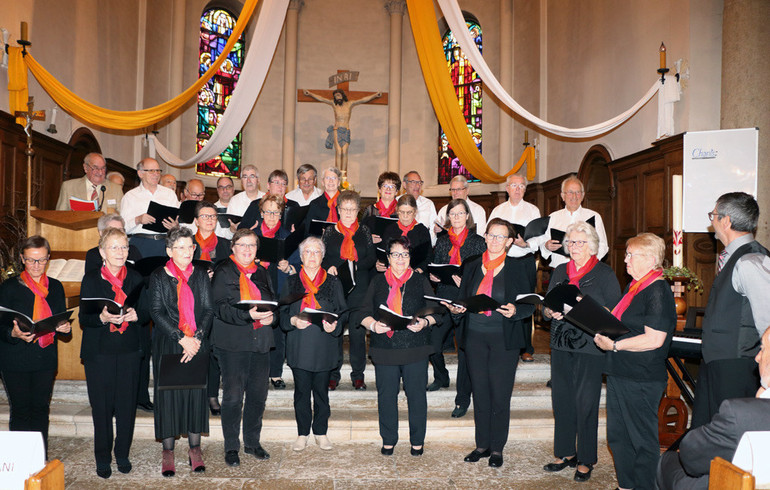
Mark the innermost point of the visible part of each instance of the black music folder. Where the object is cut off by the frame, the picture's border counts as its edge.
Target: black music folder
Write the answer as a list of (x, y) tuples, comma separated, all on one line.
[(346, 273), (593, 318), (160, 212), (223, 217), (277, 249), (187, 211), (445, 272), (294, 216), (268, 305), (381, 224), (479, 303), (96, 305), (27, 325), (536, 227), (562, 294), (317, 317), (317, 227), (176, 375)]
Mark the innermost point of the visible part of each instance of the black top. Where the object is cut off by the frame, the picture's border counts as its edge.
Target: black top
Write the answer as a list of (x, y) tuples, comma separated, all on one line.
[(221, 252), (94, 258), (15, 354), (473, 246), (653, 307), (163, 304), (367, 256), (515, 283), (97, 338), (253, 215), (405, 346), (369, 215), (601, 284), (480, 322), (318, 210), (313, 349), (418, 236), (233, 328)]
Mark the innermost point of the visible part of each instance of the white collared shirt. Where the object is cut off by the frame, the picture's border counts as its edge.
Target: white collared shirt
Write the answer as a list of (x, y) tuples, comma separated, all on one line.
[(426, 214), (479, 218), (520, 214), (237, 206), (560, 220), (297, 195), (136, 202)]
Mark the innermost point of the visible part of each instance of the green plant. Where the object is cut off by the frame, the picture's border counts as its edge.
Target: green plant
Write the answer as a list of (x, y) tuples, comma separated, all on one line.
[(684, 275)]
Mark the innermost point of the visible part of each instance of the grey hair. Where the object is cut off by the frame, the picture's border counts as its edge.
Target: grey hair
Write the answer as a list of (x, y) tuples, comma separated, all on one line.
[(461, 179), (305, 168), (588, 230), (312, 240), (177, 233), (250, 166), (742, 209), (116, 173), (333, 170), (105, 219), (524, 179), (572, 178), (140, 165), (87, 159)]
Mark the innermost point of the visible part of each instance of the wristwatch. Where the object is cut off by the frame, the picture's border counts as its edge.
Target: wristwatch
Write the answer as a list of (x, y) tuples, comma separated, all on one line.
[(614, 347)]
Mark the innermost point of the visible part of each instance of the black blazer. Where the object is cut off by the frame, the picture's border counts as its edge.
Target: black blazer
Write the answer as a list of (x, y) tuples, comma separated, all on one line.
[(318, 210), (516, 282), (418, 236), (253, 215), (367, 256)]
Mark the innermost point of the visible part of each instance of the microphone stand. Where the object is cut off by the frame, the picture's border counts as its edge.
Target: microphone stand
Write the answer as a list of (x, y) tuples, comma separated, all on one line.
[(103, 189)]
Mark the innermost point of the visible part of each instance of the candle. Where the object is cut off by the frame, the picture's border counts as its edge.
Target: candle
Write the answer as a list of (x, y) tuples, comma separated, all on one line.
[(526, 137), (662, 56), (676, 207), (24, 32)]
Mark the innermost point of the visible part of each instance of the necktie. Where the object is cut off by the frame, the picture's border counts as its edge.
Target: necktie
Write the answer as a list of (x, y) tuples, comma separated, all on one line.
[(721, 260), (94, 194)]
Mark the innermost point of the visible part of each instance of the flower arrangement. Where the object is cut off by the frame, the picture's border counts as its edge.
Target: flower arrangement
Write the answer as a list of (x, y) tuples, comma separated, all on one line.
[(684, 275)]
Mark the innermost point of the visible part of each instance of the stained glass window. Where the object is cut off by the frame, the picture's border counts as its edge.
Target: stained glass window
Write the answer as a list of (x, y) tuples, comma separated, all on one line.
[(216, 27), (469, 95)]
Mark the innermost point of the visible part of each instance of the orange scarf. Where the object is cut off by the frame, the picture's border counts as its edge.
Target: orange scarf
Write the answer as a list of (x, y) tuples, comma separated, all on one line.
[(40, 309), (457, 242), (185, 300), (248, 289), (385, 210), (485, 287), (635, 288), (406, 229), (348, 250), (117, 287), (575, 274), (395, 284), (207, 245), (331, 201), (311, 286)]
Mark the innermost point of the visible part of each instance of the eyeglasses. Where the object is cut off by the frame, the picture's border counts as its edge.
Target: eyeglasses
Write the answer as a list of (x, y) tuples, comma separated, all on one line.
[(574, 193), (630, 255), (399, 255), (183, 248), (279, 183), (331, 178), (496, 238), (406, 212), (246, 245), (388, 187), (30, 261), (576, 243), (458, 189), (271, 213), (713, 215), (308, 180), (207, 216), (517, 186), (152, 170), (410, 181), (96, 169), (249, 177), (458, 214), (312, 252), (197, 195), (349, 210), (116, 248), (224, 187)]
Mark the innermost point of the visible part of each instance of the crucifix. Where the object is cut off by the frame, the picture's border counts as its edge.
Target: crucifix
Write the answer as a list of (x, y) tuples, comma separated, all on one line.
[(342, 101), (30, 115)]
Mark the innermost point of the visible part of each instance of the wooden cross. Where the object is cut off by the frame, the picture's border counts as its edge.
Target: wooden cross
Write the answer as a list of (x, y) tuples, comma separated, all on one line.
[(344, 85), (30, 115)]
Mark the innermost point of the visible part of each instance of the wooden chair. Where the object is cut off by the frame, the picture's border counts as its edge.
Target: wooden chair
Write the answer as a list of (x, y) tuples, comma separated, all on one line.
[(49, 478), (724, 475)]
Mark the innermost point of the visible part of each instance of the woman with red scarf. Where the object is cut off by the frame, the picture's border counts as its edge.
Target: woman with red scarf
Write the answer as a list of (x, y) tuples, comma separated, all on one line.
[(312, 348), (324, 207), (28, 362), (576, 363), (453, 247), (181, 309), (635, 363), (111, 351), (493, 339), (408, 226), (400, 354), (350, 244), (388, 185), (242, 340), (209, 246)]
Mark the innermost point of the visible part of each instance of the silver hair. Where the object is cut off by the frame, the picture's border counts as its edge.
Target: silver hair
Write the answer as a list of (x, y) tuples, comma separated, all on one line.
[(588, 230), (312, 240), (334, 170), (524, 179), (572, 178), (461, 179), (105, 219), (250, 166)]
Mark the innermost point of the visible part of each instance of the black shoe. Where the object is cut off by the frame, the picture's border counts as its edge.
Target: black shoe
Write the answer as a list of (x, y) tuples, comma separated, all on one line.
[(416, 452), (459, 411), (124, 466), (146, 406), (548, 384), (257, 452), (496, 460), (571, 462), (387, 451), (435, 386), (232, 458), (475, 455), (278, 384), (582, 477), (105, 472)]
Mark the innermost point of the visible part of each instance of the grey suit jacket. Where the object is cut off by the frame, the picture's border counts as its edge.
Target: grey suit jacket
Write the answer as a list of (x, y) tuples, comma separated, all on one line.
[(689, 468), (77, 188)]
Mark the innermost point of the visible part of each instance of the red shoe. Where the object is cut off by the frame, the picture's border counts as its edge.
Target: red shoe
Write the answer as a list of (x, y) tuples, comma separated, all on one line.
[(527, 357), (167, 468), (333, 384), (359, 384), (196, 459)]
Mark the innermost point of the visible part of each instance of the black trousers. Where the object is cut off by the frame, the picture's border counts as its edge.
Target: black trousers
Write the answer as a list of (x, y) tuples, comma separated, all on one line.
[(438, 338), (632, 430), (492, 370), (278, 353), (148, 247), (463, 397), (576, 386), (317, 383), (720, 380), (243, 373), (145, 340), (357, 341), (528, 331), (112, 382), (29, 395), (215, 374), (415, 376)]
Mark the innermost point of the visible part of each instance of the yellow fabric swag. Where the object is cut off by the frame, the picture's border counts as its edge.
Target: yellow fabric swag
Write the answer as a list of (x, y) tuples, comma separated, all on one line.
[(17, 83)]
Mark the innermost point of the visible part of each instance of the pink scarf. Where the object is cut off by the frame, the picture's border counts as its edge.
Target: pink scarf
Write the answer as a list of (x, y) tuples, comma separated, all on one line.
[(185, 299)]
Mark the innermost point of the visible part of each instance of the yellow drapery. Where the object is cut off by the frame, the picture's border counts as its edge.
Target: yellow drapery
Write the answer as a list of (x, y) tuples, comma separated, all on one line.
[(130, 120), (444, 98), (17, 83)]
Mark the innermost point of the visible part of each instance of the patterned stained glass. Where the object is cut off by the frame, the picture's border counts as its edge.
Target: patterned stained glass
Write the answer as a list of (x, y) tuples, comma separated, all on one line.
[(469, 96), (216, 27)]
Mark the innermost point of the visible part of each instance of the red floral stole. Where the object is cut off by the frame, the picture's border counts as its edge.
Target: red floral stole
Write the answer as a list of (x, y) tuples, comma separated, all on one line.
[(185, 299), (635, 288), (117, 287), (207, 245), (311, 286), (40, 309), (248, 289), (457, 242), (348, 250), (575, 274), (394, 296), (331, 201), (485, 287)]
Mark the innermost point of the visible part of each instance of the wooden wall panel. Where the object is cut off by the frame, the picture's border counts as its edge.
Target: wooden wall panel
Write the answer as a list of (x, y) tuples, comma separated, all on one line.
[(654, 194)]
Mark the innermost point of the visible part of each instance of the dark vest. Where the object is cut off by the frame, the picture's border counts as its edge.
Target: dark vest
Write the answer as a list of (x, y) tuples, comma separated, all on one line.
[(728, 325)]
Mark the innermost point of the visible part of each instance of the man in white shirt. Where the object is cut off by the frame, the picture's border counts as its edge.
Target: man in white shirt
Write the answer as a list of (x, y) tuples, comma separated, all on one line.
[(240, 202), (194, 190), (89, 187), (426, 210), (572, 193), (307, 190), (458, 189), (133, 209), (225, 191)]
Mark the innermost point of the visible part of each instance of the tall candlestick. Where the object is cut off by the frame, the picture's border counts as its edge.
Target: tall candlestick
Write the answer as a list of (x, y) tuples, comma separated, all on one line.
[(526, 137), (24, 32), (662, 56), (676, 207)]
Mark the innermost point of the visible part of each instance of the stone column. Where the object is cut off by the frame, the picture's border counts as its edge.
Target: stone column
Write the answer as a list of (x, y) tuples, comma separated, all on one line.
[(290, 88), (506, 80), (745, 100), (396, 10)]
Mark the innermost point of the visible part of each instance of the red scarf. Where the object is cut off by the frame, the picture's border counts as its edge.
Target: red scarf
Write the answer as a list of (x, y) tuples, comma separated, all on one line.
[(207, 245), (635, 288), (575, 274), (331, 201), (269, 232), (247, 288), (406, 229), (385, 211), (117, 287), (394, 296), (485, 287), (457, 242), (311, 286), (40, 309), (348, 250), (185, 301)]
